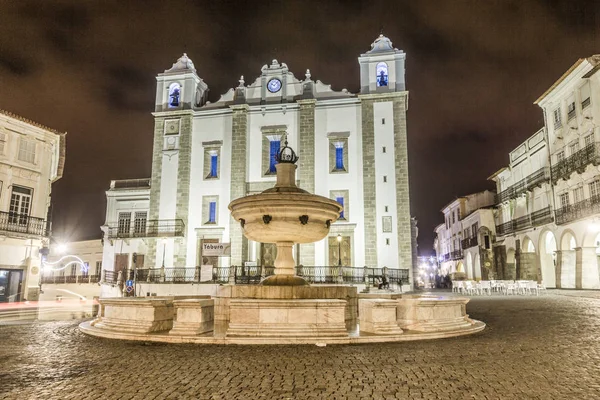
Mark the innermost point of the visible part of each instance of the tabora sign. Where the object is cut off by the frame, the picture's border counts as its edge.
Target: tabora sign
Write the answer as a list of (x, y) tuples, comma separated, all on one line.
[(216, 249)]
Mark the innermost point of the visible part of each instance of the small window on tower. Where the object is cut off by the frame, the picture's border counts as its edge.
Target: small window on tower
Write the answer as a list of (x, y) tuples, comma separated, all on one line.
[(384, 150), (174, 95), (382, 74)]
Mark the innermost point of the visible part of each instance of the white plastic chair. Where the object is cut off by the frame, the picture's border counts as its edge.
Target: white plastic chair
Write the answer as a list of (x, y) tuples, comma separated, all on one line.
[(541, 287), (485, 286), (470, 288), (457, 286), (522, 287), (509, 287), (532, 287)]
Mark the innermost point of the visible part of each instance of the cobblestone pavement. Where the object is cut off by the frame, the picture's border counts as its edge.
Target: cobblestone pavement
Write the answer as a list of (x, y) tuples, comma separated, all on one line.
[(545, 347)]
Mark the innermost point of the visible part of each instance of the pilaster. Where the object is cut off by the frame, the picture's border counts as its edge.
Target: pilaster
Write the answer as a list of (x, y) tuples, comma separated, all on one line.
[(306, 165), (239, 132), (157, 156), (402, 185), (183, 186), (369, 182)]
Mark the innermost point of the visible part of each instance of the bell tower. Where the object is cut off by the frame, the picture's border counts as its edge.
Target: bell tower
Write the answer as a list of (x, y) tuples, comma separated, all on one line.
[(382, 68), (180, 88)]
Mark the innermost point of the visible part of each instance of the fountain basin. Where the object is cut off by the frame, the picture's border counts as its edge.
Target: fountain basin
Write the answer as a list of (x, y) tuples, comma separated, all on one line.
[(285, 217)]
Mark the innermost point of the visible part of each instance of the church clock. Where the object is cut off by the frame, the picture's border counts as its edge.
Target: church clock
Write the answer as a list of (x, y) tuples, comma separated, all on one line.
[(274, 85)]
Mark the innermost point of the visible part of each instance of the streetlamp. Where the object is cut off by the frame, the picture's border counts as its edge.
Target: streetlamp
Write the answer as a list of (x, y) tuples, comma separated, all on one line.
[(339, 239)]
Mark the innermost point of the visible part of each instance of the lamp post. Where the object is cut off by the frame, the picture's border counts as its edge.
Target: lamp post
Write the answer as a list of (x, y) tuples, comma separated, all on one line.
[(162, 270), (339, 239)]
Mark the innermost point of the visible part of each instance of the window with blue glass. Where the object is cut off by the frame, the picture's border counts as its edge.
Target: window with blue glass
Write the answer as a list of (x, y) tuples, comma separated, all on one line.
[(339, 158), (341, 201), (274, 149), (382, 74), (212, 212), (214, 160)]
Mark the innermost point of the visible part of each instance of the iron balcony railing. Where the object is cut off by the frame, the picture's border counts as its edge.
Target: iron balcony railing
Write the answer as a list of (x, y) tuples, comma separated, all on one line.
[(151, 228), (528, 183), (250, 275), (51, 278), (536, 218), (453, 255), (585, 103), (563, 169), (578, 210), (20, 223), (469, 242)]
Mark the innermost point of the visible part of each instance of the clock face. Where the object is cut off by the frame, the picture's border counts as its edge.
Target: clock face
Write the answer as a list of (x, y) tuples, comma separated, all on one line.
[(274, 85)]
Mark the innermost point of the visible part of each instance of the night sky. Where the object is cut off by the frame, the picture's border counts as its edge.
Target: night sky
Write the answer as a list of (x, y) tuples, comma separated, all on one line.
[(473, 70)]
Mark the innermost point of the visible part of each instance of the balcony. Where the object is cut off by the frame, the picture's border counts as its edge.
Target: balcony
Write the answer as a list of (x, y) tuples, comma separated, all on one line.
[(454, 255), (23, 224), (528, 183), (536, 218), (578, 210), (469, 242), (585, 103), (152, 228), (590, 154), (58, 278)]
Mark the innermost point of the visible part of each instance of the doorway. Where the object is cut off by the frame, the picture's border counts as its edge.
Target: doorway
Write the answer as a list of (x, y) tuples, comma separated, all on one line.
[(10, 285)]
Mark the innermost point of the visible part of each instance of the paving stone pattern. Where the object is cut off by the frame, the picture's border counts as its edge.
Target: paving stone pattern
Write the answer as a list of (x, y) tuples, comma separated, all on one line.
[(543, 347)]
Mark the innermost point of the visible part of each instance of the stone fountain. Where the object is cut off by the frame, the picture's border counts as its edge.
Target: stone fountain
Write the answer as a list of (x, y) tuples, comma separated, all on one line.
[(283, 308), (285, 215)]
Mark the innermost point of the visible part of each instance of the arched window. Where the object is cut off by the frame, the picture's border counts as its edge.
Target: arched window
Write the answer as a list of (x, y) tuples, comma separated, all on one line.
[(174, 95), (382, 74)]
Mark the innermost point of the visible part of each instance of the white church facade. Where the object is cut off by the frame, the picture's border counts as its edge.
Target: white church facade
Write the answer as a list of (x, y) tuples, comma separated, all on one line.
[(351, 148)]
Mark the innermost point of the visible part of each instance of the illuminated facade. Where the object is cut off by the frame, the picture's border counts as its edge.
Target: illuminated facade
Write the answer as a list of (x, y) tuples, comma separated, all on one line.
[(463, 242), (352, 148), (32, 157), (548, 219)]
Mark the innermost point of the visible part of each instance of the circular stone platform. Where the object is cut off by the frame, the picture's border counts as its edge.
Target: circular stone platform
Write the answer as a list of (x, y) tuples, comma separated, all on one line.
[(254, 314)]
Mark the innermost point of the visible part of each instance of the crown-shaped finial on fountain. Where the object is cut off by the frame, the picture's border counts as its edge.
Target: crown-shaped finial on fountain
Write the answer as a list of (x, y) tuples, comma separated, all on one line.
[(286, 154)]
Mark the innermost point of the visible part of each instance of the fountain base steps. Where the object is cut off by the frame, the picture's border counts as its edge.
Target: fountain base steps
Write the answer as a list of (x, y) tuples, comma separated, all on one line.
[(283, 315)]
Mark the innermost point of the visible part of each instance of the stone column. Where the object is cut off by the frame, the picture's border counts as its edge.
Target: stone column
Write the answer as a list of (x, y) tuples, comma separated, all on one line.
[(568, 269), (586, 268), (306, 165), (239, 151), (528, 268), (558, 269)]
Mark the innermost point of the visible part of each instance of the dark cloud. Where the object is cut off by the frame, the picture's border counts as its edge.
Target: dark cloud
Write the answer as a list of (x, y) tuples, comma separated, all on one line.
[(474, 69)]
